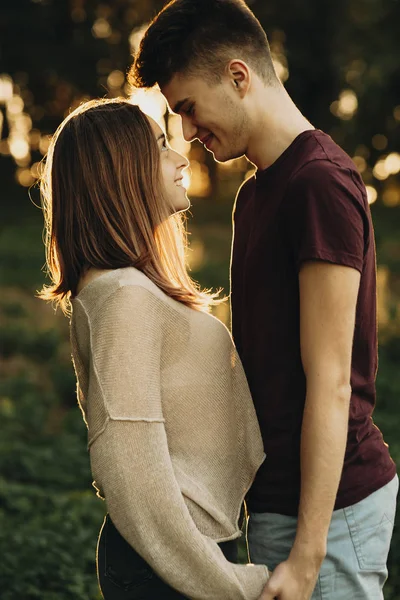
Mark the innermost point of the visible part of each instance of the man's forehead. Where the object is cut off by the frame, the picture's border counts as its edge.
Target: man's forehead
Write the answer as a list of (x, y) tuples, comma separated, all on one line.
[(175, 90), (180, 89)]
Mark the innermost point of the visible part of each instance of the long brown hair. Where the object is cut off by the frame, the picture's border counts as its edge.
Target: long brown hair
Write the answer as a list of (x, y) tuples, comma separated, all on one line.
[(105, 206)]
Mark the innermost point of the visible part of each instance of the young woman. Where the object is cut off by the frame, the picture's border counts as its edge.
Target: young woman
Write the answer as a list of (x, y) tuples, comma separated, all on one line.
[(173, 437)]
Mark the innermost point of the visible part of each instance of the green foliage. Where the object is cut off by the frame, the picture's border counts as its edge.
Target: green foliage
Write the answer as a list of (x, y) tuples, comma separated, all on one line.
[(47, 543), (22, 256), (49, 516), (39, 345)]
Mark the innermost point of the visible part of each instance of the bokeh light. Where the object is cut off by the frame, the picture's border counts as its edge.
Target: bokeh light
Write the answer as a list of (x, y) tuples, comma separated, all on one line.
[(187, 177), (354, 71), (195, 254), (136, 36), (277, 40), (392, 163), (19, 147), (4, 148), (386, 166), (360, 163), (380, 171), (6, 88), (151, 102), (175, 135), (15, 105), (346, 106), (379, 141), (391, 195), (101, 28), (372, 194), (116, 79), (382, 284), (200, 184), (44, 143), (24, 177)]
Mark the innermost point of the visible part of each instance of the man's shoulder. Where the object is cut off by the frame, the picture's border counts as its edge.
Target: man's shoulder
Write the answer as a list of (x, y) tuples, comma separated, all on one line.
[(247, 187), (325, 164), (245, 191)]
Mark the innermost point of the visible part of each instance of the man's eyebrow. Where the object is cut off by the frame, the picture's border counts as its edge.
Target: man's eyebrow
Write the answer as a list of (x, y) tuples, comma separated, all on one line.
[(179, 105)]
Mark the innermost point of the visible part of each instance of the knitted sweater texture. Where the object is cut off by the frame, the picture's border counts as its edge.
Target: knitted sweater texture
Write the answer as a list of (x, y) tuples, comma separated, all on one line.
[(173, 436)]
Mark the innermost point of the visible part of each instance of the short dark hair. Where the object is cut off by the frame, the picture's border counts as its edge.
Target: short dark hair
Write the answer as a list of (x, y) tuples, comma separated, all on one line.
[(198, 36)]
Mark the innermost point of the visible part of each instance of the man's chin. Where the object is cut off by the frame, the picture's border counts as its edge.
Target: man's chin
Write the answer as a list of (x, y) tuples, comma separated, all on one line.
[(218, 154), (223, 157)]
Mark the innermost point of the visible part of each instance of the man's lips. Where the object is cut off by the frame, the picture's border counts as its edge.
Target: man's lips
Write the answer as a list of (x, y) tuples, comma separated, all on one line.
[(206, 140)]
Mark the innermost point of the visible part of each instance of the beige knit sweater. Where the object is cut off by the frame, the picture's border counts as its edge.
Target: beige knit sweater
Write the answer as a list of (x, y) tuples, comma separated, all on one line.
[(173, 436)]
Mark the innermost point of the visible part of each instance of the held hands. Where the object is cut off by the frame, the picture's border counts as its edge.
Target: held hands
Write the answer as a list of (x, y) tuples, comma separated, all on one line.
[(292, 580)]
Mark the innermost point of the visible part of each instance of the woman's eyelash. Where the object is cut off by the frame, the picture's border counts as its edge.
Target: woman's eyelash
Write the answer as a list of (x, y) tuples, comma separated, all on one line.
[(164, 146)]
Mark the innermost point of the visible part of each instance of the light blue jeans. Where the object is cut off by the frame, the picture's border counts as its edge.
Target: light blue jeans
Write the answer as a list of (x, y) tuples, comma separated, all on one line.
[(358, 545)]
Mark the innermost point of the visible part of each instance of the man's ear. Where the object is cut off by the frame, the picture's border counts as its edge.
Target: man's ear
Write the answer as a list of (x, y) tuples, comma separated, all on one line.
[(239, 74)]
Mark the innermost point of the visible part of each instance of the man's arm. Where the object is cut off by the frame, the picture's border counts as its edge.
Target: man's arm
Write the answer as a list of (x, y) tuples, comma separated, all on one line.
[(328, 298)]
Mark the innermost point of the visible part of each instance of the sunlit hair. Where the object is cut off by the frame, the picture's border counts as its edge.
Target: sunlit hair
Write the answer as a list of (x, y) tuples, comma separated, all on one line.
[(105, 205), (199, 38)]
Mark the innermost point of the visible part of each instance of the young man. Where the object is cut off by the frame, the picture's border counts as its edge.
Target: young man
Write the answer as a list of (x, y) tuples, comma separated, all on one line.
[(303, 304)]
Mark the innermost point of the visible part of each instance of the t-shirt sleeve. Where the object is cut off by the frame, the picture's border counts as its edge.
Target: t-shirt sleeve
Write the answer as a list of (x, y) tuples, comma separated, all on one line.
[(325, 217)]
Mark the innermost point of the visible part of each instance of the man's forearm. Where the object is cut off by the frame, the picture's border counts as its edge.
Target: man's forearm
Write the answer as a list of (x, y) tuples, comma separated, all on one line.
[(323, 443)]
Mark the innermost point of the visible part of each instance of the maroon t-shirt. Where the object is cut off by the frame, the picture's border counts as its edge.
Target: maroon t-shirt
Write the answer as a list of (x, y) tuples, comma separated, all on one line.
[(310, 204)]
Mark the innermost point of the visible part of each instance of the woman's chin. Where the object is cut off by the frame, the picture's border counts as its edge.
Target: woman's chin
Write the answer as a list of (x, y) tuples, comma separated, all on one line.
[(183, 205)]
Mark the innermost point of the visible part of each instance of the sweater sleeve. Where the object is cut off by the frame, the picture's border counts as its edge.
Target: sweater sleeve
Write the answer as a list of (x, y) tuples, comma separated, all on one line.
[(131, 462), (126, 338), (133, 466)]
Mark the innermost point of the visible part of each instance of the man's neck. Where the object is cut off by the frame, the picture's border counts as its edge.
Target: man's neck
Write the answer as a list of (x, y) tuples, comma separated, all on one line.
[(277, 124)]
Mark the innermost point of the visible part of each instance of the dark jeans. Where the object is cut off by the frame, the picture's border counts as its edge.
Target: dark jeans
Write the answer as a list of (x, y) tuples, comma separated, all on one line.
[(124, 575)]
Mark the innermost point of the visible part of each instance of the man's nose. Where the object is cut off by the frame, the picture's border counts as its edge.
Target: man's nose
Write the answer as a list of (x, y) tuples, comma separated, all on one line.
[(188, 129)]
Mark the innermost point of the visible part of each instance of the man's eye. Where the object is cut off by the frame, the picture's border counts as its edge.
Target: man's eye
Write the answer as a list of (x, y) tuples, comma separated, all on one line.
[(190, 110)]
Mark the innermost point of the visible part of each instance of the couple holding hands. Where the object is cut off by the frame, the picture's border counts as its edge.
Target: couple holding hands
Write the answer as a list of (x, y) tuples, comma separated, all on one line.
[(184, 422)]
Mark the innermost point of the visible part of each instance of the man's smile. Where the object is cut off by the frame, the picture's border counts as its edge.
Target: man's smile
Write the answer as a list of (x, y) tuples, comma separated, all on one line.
[(206, 140)]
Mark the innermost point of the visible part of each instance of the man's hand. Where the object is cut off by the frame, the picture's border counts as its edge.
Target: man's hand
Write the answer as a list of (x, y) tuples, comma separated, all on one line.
[(292, 580)]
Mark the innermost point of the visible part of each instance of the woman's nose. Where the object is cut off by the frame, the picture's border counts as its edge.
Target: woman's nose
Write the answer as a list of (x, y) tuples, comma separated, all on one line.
[(181, 161)]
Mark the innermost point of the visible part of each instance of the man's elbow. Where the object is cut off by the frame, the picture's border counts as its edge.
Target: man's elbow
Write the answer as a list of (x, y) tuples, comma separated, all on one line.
[(343, 393), (335, 386)]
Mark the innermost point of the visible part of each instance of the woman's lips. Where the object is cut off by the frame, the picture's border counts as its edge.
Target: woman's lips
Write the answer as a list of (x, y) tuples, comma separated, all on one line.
[(179, 183)]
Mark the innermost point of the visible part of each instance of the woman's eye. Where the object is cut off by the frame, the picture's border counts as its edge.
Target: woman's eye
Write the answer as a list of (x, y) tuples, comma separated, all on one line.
[(164, 147)]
